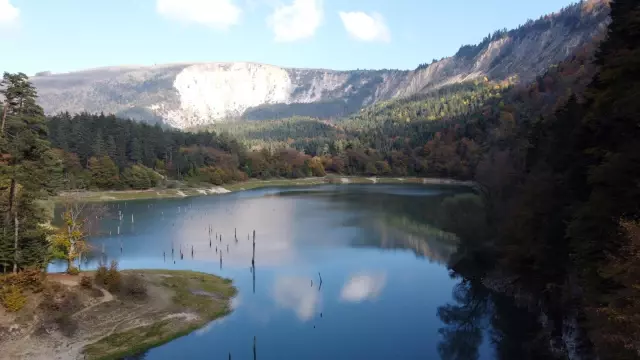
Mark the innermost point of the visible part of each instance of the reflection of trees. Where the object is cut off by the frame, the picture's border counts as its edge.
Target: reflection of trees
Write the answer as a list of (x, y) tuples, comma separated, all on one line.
[(515, 332), (464, 320), (396, 220), (399, 232)]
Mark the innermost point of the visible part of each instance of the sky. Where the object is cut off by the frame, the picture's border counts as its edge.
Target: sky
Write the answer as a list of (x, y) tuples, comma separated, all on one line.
[(68, 35)]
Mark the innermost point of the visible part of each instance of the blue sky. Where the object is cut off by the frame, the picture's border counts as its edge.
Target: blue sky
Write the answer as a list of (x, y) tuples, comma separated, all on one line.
[(66, 35)]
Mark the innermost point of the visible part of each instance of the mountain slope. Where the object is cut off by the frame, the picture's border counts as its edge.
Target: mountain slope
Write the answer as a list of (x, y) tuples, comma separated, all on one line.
[(188, 94)]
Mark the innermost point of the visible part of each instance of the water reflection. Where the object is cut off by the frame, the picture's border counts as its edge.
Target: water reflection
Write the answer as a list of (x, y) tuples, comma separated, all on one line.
[(368, 243), (464, 321), (364, 286), (401, 232), (207, 231), (294, 293), (477, 312), (479, 315)]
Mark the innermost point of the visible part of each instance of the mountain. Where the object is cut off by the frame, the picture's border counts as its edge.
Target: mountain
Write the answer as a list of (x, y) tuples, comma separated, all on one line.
[(191, 94)]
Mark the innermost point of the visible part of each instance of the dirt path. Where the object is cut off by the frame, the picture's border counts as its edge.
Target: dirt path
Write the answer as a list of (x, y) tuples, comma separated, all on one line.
[(106, 297)]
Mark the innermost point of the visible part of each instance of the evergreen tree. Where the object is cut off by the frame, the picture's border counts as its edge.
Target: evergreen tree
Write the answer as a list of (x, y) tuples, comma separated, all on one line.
[(135, 151), (104, 172), (98, 145), (611, 160), (28, 174), (110, 147)]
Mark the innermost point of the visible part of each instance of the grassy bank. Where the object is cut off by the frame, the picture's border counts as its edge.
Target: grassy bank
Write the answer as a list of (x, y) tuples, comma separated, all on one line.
[(196, 300), (105, 196), (80, 316)]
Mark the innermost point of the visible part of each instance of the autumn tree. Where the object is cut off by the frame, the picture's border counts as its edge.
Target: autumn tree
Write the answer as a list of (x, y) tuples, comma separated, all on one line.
[(79, 221)]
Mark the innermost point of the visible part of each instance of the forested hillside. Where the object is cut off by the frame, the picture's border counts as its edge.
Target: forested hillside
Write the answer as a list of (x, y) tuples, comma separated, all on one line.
[(105, 152), (440, 134), (191, 94), (562, 191)]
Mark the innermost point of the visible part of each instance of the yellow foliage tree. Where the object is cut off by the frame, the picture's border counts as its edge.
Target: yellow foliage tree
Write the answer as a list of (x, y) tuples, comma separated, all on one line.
[(70, 241)]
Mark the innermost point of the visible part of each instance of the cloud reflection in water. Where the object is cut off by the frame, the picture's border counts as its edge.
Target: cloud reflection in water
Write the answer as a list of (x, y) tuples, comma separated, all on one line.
[(363, 286), (294, 293)]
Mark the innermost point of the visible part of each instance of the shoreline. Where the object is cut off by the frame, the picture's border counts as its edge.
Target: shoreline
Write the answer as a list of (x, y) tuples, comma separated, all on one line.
[(112, 325), (121, 195)]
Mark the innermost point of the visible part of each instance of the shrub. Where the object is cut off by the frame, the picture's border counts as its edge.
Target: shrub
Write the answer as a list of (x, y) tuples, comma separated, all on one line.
[(30, 279), (101, 275), (109, 278), (133, 286), (73, 271), (113, 279), (86, 282), (12, 298)]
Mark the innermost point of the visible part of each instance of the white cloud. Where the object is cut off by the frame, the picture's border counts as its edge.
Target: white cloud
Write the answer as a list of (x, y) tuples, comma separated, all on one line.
[(365, 27), (218, 14), (363, 287), (8, 12), (297, 21)]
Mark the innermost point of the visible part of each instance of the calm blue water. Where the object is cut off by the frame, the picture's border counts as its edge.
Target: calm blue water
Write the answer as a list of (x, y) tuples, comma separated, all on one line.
[(383, 269)]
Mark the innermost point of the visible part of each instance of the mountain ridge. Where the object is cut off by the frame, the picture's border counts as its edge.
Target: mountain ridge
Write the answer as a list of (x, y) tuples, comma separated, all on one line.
[(185, 94)]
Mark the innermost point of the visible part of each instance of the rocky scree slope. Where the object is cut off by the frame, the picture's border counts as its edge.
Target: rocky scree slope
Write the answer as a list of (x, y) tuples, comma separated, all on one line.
[(191, 94)]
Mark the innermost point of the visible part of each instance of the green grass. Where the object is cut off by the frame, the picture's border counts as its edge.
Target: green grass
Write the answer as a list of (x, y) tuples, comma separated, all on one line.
[(181, 284)]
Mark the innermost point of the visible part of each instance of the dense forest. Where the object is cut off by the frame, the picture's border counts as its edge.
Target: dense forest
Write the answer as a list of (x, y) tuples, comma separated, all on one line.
[(561, 187), (395, 138), (105, 152), (557, 163)]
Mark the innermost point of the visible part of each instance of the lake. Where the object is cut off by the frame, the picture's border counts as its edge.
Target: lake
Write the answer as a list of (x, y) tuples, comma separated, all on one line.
[(385, 290)]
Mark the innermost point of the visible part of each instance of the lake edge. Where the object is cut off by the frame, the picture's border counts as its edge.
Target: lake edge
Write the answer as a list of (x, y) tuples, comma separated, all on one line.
[(136, 325), (129, 195)]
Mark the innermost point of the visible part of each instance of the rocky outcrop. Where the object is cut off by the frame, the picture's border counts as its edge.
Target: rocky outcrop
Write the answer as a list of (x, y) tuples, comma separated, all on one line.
[(186, 95)]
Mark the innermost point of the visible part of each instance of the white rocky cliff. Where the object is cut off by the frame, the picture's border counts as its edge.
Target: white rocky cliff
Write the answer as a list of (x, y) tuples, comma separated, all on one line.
[(188, 94), (208, 92)]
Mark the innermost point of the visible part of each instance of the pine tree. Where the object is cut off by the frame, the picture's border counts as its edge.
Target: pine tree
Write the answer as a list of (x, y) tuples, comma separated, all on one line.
[(104, 172), (135, 151), (98, 148), (110, 147), (28, 173)]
